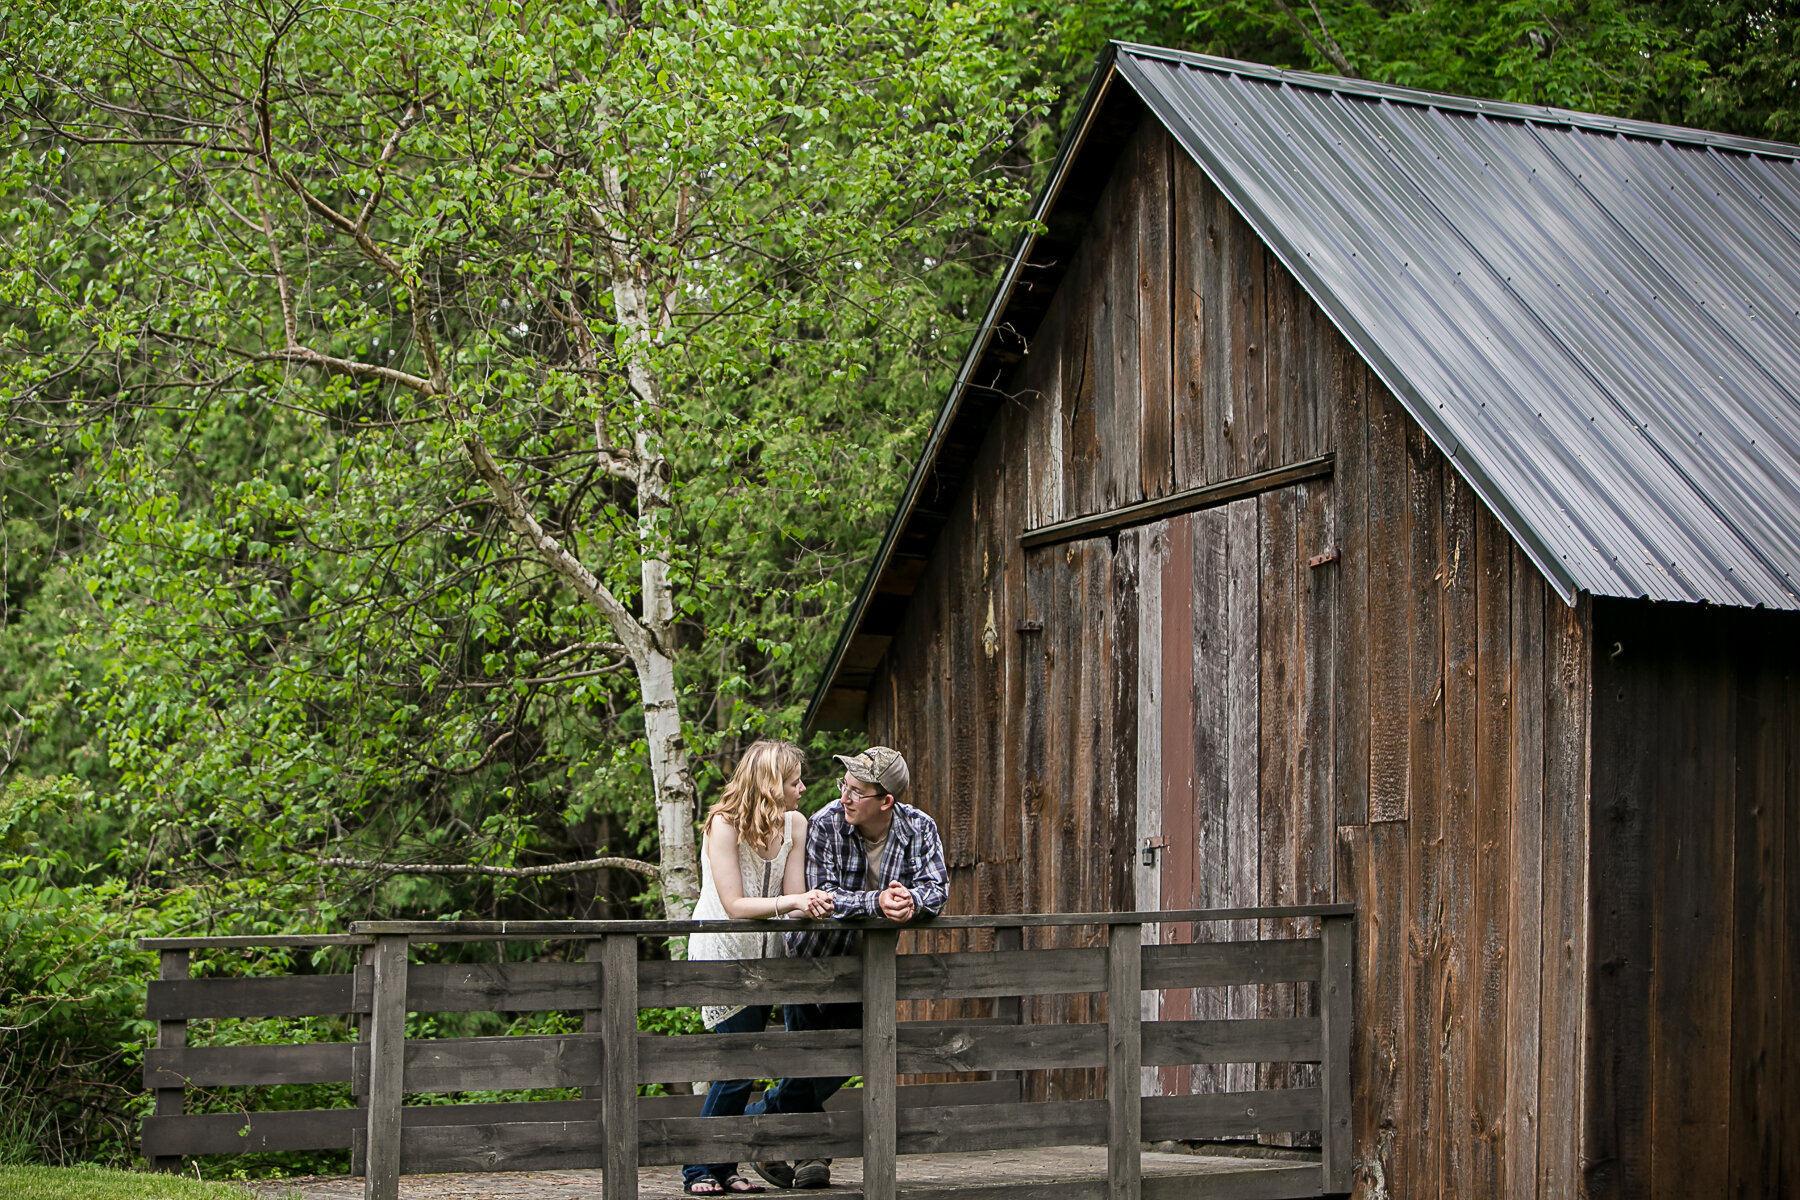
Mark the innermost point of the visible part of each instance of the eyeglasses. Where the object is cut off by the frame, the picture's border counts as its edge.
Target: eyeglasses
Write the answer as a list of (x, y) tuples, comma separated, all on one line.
[(847, 787)]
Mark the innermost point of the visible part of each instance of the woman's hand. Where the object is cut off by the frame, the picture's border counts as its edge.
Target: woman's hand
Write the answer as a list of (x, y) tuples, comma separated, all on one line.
[(813, 904)]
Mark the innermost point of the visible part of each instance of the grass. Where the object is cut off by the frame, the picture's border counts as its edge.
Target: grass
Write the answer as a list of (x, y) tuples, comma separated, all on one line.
[(99, 1183)]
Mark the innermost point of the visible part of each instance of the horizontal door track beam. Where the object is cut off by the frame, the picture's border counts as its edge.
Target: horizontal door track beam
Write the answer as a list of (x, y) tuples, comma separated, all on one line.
[(1192, 500)]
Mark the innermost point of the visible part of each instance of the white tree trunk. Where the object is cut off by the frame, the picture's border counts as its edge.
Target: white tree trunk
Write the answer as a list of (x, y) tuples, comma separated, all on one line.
[(674, 781)]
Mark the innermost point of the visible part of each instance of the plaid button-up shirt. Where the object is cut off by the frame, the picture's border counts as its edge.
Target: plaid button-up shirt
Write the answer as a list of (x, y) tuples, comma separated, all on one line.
[(837, 864)]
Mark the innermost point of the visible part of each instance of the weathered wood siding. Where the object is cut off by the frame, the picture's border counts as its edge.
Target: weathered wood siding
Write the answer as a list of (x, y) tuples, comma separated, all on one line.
[(1403, 727), (1696, 1070)]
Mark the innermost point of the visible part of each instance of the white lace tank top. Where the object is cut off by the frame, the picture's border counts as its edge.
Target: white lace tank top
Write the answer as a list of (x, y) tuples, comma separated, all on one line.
[(762, 880)]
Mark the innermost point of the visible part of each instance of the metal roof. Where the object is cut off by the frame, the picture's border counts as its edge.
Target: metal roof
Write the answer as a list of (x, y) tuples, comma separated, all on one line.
[(1597, 320)]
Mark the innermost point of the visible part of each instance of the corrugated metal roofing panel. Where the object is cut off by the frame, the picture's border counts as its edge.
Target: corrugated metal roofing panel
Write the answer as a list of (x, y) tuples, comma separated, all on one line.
[(1598, 321)]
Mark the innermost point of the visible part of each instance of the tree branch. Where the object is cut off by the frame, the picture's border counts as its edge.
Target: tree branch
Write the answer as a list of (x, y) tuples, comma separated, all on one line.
[(1329, 48), (348, 366), (568, 868)]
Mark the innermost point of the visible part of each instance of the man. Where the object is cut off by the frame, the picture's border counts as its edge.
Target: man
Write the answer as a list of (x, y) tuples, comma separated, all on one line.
[(876, 858)]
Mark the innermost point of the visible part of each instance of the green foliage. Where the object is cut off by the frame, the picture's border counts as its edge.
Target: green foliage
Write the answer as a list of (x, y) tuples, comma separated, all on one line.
[(100, 1183), (1593, 55), (1752, 84), (320, 634)]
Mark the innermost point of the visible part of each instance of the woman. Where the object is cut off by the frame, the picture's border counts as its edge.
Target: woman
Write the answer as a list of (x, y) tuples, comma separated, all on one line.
[(752, 865)]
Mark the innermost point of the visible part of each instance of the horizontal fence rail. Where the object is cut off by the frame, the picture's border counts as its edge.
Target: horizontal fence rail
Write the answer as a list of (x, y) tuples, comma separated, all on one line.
[(610, 1058)]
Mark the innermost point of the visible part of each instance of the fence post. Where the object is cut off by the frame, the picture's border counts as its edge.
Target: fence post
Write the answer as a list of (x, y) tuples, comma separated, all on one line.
[(170, 1102), (591, 1017), (1124, 1060), (387, 1066), (364, 992), (880, 1071), (1336, 981), (1009, 1008), (619, 1066)]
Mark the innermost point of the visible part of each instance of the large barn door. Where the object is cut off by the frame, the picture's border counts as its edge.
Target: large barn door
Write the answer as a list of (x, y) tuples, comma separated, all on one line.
[(1234, 739)]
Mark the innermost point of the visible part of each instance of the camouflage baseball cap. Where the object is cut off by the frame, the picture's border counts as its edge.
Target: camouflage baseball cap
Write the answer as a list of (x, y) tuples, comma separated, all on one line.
[(879, 765)]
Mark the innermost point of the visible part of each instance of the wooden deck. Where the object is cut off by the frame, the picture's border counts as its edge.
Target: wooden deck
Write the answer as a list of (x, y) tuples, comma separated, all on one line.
[(1061, 1172)]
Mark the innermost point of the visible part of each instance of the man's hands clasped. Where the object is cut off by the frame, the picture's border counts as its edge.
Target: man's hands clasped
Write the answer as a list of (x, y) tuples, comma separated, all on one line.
[(895, 902)]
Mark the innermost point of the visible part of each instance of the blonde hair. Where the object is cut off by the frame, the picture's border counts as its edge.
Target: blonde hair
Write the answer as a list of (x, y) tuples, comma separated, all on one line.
[(752, 800)]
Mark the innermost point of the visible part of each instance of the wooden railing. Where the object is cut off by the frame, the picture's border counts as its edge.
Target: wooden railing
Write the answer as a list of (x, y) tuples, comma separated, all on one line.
[(610, 1059)]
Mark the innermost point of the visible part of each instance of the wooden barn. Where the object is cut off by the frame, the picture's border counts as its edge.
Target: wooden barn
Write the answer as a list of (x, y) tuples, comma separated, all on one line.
[(1362, 495)]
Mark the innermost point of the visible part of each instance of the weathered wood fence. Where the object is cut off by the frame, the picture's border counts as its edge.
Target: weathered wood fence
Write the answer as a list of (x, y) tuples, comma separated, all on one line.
[(611, 1058)]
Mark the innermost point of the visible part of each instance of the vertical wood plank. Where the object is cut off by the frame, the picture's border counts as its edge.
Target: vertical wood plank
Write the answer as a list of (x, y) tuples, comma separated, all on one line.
[(619, 1066), (1124, 1061), (170, 1102), (1086, 355), (1279, 671), (1562, 1075), (1152, 563), (1196, 404), (1692, 825), (1223, 408), (1044, 439), (387, 1066), (951, 784), (1784, 749), (1336, 1016), (1001, 828), (1287, 382), (1211, 733), (592, 1019), (1118, 381), (1388, 607), (1456, 864), (1626, 741), (1525, 920), (1755, 925), (1371, 858), (1244, 734), (1122, 678), (1154, 353), (1766, 1112), (1248, 346), (1493, 866), (879, 1043), (1179, 797), (1035, 721), (999, 642), (1008, 1008), (1345, 392), (359, 1141), (1425, 561), (1315, 775)]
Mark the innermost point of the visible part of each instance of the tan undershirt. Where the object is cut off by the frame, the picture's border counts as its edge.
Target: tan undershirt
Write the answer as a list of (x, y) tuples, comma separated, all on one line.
[(874, 852)]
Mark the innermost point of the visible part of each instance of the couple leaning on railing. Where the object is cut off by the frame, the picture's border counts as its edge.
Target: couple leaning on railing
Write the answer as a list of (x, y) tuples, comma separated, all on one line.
[(865, 854)]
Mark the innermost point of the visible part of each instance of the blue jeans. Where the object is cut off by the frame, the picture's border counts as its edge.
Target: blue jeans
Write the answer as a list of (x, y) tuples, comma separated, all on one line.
[(727, 1097), (808, 1095)]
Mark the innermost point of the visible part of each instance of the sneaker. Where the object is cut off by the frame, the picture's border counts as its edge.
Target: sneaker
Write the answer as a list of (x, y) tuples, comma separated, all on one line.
[(778, 1173), (812, 1173)]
